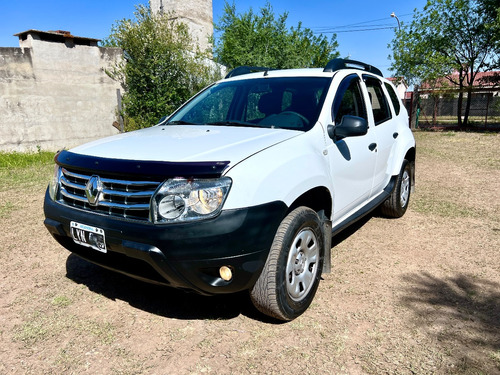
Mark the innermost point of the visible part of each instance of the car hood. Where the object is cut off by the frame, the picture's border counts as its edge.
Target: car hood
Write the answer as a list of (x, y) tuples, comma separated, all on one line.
[(187, 143)]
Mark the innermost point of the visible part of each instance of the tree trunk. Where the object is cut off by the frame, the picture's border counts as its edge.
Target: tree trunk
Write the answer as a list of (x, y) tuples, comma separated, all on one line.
[(459, 107), (415, 102), (435, 110), (467, 106)]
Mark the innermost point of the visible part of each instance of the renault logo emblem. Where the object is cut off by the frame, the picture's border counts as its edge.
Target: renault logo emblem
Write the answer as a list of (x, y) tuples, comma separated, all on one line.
[(93, 190)]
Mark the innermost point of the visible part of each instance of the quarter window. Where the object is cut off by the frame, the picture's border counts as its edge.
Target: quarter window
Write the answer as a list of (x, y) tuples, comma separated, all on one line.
[(394, 98), (380, 106)]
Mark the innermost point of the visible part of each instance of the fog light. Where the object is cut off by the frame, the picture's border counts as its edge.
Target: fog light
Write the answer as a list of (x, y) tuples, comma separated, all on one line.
[(225, 273)]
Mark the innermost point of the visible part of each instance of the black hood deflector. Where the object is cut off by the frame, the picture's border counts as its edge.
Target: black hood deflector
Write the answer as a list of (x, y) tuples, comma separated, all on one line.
[(145, 169)]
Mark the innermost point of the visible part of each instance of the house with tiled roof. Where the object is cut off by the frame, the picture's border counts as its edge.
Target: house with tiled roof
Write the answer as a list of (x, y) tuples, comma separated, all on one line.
[(439, 100), (484, 82)]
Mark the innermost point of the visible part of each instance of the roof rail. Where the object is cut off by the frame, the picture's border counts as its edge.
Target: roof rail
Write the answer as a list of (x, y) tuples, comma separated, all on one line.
[(246, 70), (338, 64)]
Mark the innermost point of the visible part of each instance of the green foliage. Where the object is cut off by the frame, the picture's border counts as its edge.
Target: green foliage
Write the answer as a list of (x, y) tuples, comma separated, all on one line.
[(450, 39), (447, 36), (14, 160), (491, 9), (16, 168), (261, 39), (162, 67)]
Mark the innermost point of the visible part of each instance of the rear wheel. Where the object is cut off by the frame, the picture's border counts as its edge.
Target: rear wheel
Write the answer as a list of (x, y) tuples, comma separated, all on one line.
[(396, 205), (290, 278)]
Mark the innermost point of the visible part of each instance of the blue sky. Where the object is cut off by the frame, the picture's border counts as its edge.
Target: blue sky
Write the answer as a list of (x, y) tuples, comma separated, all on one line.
[(94, 18)]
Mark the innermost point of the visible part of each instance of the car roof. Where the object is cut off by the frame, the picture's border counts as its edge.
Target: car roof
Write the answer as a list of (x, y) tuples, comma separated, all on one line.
[(333, 66), (310, 72)]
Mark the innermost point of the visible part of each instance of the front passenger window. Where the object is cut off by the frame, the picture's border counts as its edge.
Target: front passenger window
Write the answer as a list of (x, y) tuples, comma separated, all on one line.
[(349, 100)]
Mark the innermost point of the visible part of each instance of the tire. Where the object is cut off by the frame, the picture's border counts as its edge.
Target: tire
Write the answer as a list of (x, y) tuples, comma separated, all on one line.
[(395, 206), (291, 275)]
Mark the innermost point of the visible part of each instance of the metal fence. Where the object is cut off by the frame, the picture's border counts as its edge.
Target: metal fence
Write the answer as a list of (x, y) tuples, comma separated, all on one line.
[(442, 110)]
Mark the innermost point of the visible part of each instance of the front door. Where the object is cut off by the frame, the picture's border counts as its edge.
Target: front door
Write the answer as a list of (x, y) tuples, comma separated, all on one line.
[(352, 159)]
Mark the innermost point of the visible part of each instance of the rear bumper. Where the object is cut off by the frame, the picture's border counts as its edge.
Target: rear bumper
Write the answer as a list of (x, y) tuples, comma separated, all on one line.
[(187, 255)]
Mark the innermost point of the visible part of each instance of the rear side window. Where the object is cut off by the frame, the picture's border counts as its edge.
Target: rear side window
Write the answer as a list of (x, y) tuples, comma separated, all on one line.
[(394, 98), (380, 105)]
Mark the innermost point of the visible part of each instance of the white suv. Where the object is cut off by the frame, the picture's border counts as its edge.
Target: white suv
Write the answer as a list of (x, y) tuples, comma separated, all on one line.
[(243, 187)]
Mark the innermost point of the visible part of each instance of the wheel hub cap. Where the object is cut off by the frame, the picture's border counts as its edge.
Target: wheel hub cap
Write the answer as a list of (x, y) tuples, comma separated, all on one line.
[(302, 264), (405, 189)]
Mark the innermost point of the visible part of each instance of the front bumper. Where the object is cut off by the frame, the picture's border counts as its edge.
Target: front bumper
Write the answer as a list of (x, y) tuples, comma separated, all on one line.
[(186, 255)]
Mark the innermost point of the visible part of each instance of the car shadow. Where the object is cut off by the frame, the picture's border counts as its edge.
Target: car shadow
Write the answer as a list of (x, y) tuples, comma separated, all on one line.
[(157, 299), (351, 229), (462, 311)]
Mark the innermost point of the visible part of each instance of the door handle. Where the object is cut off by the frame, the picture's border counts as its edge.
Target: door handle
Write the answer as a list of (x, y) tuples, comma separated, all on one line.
[(395, 135), (373, 146)]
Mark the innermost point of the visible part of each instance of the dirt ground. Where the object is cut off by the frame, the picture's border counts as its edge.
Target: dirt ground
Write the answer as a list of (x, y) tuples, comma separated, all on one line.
[(416, 295)]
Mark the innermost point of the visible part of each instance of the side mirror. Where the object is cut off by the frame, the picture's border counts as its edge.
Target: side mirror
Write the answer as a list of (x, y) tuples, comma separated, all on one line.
[(350, 126)]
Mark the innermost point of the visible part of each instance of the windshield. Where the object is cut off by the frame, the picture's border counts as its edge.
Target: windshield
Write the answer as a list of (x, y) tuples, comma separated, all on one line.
[(287, 103)]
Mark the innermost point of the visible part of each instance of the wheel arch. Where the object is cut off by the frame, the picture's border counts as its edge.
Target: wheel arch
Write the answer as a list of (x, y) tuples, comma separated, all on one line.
[(318, 199)]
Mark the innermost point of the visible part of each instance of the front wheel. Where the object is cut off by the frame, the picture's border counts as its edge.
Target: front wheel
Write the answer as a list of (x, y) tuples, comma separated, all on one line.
[(290, 278)]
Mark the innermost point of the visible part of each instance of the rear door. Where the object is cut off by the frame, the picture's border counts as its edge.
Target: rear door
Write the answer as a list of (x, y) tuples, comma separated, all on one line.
[(385, 131)]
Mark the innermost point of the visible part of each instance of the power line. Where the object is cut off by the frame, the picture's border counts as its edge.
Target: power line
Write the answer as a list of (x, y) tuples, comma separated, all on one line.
[(352, 24), (354, 31), (363, 22), (357, 26), (326, 28)]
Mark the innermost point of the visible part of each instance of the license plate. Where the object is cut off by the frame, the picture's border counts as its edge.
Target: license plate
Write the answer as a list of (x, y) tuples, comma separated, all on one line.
[(89, 236)]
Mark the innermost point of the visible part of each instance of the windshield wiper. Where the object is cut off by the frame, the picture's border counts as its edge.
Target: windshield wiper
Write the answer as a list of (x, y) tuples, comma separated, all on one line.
[(180, 122), (234, 123)]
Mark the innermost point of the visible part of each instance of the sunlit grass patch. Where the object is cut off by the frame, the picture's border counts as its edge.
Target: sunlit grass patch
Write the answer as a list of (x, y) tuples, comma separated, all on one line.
[(14, 160), (430, 206), (6, 209), (61, 301), (25, 169)]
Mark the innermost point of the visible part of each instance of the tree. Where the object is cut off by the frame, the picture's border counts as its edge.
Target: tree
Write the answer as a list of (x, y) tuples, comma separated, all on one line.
[(452, 40), (492, 10), (264, 40), (161, 69)]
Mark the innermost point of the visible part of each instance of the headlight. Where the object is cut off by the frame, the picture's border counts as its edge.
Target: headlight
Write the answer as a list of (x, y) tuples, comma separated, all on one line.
[(54, 183), (179, 199)]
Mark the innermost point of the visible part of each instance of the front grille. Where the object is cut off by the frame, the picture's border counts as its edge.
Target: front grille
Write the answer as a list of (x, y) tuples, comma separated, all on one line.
[(123, 198)]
